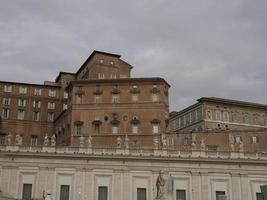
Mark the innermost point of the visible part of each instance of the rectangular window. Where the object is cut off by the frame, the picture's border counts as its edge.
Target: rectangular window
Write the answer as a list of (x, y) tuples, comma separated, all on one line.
[(115, 98), (50, 117), (78, 129), (36, 116), (21, 114), (170, 141), (36, 104), (220, 195), (259, 196), (155, 97), (37, 92), (238, 139), (51, 93), (2, 139), (135, 97), (79, 98), (113, 76), (255, 139), (65, 106), (22, 102), (155, 128), (141, 193), (27, 192), (101, 76), (180, 195), (115, 129), (97, 98), (135, 128), (66, 95), (5, 113), (102, 193), (7, 88), (51, 105), (34, 140), (23, 90), (218, 115), (6, 101), (64, 192), (226, 116)]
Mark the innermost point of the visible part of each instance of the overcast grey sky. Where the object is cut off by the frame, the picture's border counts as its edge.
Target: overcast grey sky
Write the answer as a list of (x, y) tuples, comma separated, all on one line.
[(201, 47)]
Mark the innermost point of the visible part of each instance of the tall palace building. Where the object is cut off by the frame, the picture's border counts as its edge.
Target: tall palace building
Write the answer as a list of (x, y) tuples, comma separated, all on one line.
[(100, 100), (99, 134)]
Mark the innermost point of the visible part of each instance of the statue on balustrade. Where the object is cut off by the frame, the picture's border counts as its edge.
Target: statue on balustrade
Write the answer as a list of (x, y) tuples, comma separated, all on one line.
[(89, 141), (232, 143), (53, 140), (164, 141), (202, 145), (127, 140), (156, 142), (81, 141), (46, 140), (119, 142), (9, 139), (18, 140)]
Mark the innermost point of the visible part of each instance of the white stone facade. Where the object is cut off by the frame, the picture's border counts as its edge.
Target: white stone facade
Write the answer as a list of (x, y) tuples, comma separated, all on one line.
[(123, 171)]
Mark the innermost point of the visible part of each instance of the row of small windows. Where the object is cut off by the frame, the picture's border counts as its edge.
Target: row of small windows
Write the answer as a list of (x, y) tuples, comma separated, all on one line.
[(102, 76), (23, 103), (21, 115), (78, 126), (103, 193), (115, 98), (24, 90), (246, 118), (186, 119), (114, 129)]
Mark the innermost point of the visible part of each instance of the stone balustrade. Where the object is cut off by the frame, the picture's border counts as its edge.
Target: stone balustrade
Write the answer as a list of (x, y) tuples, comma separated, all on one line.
[(144, 152)]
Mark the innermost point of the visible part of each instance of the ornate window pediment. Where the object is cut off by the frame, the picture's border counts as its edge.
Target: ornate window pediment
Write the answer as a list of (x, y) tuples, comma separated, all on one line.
[(78, 123), (155, 90), (115, 90), (135, 121), (155, 121), (97, 122), (135, 91)]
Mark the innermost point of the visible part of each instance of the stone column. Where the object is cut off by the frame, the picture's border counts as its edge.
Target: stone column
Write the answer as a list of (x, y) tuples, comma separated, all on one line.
[(244, 186), (236, 187), (204, 186), (196, 186)]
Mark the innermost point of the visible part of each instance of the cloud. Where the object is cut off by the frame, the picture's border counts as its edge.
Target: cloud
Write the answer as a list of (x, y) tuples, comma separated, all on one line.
[(202, 48)]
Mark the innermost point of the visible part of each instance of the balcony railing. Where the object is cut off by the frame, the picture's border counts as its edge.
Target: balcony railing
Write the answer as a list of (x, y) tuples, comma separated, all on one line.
[(144, 152)]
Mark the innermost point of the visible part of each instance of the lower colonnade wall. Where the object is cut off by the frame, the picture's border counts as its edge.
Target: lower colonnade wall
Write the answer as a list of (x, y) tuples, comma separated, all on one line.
[(126, 174)]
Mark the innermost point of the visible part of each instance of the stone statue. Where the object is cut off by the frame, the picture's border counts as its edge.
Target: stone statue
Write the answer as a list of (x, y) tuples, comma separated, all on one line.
[(164, 141), (89, 141), (46, 140), (232, 143), (156, 142), (119, 142), (81, 141), (9, 139), (47, 195), (53, 140), (160, 186), (202, 145), (18, 140), (127, 142)]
